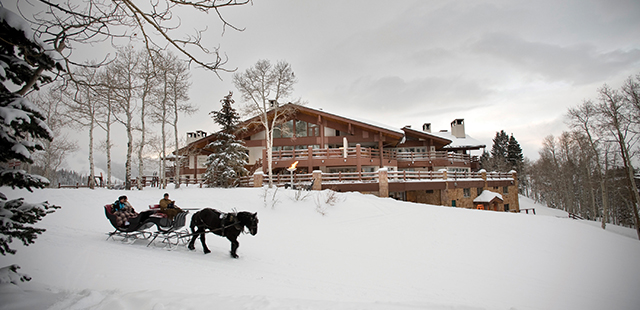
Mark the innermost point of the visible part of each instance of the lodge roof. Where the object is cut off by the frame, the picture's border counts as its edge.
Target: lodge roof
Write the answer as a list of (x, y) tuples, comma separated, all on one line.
[(367, 124), (488, 196), (252, 125), (467, 143), (443, 139), (426, 136)]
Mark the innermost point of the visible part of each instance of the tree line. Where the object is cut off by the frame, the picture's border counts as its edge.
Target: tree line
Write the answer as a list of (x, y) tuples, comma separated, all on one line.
[(138, 89), (36, 49), (588, 170)]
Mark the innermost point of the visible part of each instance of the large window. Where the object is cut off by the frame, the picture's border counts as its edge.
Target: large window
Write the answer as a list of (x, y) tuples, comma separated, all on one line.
[(284, 130), (300, 128), (313, 130)]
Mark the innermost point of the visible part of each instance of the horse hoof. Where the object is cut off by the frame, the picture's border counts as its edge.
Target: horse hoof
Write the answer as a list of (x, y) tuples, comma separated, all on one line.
[(234, 255), (207, 252), (192, 248)]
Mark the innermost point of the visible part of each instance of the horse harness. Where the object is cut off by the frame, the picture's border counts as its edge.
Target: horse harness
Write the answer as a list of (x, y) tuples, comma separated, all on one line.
[(230, 218)]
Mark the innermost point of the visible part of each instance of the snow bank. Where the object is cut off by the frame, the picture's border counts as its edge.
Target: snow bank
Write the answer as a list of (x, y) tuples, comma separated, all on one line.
[(364, 253)]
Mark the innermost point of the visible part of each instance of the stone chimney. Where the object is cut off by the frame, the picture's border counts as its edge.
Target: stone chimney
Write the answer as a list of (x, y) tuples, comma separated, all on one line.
[(426, 127), (194, 136), (457, 128)]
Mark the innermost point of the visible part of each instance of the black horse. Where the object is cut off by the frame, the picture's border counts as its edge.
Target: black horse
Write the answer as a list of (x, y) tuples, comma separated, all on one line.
[(228, 225)]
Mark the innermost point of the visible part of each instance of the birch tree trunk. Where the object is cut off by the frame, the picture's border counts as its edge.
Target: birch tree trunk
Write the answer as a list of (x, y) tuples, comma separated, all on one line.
[(262, 86), (108, 144), (92, 171), (147, 74), (177, 147), (124, 69)]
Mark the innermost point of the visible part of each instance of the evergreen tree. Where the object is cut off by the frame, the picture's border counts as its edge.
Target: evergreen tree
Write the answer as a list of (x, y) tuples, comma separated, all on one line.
[(514, 154), (500, 145), (497, 159), (226, 164), (22, 60), (485, 161)]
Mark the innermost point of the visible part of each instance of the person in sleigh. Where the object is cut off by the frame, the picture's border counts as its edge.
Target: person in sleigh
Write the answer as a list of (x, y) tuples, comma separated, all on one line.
[(123, 211), (168, 207)]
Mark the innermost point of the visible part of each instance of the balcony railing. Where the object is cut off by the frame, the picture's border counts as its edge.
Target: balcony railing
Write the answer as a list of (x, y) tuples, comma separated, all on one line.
[(365, 152), (373, 177)]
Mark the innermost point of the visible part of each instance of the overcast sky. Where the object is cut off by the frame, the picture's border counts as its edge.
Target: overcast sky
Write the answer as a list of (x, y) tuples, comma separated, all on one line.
[(501, 65)]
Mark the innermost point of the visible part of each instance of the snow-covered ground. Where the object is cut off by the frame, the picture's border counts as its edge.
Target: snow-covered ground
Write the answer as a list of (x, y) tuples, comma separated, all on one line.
[(363, 253)]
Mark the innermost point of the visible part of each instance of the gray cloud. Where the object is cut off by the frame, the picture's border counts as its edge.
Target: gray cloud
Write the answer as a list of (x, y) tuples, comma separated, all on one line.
[(393, 92), (578, 64)]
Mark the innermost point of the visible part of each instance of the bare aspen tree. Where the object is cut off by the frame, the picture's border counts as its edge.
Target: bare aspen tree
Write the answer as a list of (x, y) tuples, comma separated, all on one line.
[(147, 75), (55, 152), (262, 87), (179, 84), (160, 113), (631, 93), (83, 108), (125, 105), (614, 116), (583, 118), (106, 91)]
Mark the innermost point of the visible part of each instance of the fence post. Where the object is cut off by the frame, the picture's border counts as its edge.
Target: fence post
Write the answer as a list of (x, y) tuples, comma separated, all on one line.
[(309, 158), (317, 180), (383, 183), (258, 176), (483, 174), (514, 175)]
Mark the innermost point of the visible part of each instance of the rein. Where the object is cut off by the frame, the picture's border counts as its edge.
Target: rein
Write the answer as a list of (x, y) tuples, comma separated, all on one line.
[(208, 229)]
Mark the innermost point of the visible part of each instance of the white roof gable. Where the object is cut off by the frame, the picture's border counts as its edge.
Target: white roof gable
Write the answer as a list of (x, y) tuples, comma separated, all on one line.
[(467, 141), (487, 196)]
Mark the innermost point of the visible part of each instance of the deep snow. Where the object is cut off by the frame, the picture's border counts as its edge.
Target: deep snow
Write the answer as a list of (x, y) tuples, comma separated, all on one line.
[(363, 253)]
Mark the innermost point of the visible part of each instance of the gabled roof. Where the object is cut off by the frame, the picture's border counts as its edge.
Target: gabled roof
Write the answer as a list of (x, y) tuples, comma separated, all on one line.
[(252, 125), (467, 142), (366, 124), (488, 196), (438, 140)]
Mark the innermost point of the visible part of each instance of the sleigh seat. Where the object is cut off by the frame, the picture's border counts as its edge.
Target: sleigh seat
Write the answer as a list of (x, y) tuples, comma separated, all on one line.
[(137, 228)]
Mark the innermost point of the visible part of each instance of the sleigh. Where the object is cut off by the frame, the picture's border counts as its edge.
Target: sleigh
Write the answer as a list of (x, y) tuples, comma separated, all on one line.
[(168, 232)]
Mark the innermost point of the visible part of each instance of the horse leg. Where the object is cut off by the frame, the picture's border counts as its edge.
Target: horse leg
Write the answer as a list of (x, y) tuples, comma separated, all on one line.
[(193, 239), (204, 243), (194, 227), (234, 246)]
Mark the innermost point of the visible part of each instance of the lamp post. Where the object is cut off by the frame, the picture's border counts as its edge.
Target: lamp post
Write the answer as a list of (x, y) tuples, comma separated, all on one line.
[(291, 169)]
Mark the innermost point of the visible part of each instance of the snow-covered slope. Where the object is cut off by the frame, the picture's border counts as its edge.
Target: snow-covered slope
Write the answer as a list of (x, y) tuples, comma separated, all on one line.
[(363, 253)]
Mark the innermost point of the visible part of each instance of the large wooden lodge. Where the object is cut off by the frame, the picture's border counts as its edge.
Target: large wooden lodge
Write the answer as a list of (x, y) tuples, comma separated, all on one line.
[(347, 154)]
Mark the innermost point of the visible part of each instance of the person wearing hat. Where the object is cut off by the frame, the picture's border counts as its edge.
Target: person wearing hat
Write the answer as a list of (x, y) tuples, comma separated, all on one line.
[(123, 211), (168, 207)]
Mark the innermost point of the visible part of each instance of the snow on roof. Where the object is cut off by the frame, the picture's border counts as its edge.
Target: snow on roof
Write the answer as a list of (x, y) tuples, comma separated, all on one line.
[(456, 142), (361, 120), (487, 196)]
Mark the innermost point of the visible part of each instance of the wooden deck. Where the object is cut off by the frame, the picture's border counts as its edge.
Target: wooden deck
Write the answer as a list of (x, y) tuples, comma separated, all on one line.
[(398, 181), (363, 156)]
